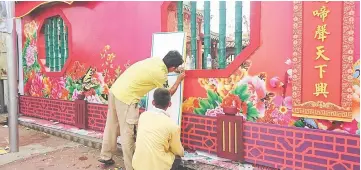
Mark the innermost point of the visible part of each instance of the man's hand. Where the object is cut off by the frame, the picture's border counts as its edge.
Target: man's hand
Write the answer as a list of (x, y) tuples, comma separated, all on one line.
[(179, 70), (174, 88), (181, 76)]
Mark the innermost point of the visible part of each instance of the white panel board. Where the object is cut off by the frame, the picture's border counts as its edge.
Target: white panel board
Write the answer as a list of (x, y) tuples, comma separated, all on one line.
[(162, 44)]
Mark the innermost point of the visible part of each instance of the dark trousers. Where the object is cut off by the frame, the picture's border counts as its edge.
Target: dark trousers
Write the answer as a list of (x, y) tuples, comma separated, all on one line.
[(176, 163)]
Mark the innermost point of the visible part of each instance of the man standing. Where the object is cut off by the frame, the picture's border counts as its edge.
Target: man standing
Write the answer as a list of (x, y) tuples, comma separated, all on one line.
[(124, 95), (158, 138)]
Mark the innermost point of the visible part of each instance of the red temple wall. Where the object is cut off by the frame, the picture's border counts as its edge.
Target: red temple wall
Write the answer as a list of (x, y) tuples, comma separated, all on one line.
[(267, 73), (95, 25), (266, 143)]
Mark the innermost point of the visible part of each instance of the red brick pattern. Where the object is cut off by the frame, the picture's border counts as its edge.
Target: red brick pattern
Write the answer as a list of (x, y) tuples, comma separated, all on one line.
[(97, 116), (265, 144), (199, 133), (281, 147), (298, 148), (48, 109)]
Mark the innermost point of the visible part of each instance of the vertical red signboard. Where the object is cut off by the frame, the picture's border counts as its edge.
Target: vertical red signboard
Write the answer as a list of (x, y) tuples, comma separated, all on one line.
[(323, 43)]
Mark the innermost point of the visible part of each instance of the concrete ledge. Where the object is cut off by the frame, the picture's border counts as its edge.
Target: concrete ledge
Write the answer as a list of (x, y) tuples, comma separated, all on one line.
[(97, 143)]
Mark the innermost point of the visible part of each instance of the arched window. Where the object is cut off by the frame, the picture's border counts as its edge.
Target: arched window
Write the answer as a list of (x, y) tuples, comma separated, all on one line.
[(56, 43)]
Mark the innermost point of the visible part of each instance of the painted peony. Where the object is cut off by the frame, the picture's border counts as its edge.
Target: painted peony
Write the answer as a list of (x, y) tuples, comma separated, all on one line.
[(257, 90), (214, 112), (30, 55), (282, 113), (232, 100), (36, 89)]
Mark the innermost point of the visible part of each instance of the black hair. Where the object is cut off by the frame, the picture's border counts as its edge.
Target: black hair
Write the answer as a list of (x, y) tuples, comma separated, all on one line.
[(173, 59), (161, 98)]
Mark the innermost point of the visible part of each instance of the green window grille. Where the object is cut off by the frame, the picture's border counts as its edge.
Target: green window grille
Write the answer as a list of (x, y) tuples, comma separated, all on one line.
[(56, 42)]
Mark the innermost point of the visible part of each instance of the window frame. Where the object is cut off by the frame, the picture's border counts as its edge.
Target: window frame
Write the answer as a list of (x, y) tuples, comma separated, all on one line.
[(255, 42), (41, 45)]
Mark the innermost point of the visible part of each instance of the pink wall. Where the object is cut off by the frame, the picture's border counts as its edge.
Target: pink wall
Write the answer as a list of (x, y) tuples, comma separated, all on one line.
[(118, 24), (276, 41)]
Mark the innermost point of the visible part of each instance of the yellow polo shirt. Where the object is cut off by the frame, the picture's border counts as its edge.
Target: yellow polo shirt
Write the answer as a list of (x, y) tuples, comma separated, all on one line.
[(157, 143), (139, 79)]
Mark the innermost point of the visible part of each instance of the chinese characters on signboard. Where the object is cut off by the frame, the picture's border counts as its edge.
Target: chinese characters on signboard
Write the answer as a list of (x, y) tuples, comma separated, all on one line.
[(323, 45), (321, 34)]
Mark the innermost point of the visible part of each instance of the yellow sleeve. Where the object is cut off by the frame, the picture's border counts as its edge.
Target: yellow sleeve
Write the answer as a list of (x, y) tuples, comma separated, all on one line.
[(175, 143)]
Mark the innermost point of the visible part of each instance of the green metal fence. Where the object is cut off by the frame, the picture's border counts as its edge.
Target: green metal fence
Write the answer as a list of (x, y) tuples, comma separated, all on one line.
[(221, 58)]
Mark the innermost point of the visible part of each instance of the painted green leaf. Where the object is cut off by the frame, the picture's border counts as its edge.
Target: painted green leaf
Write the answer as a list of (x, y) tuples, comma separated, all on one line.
[(241, 89), (212, 95), (244, 96), (204, 103), (252, 114), (220, 99), (210, 101), (299, 123), (249, 105), (200, 111), (212, 98)]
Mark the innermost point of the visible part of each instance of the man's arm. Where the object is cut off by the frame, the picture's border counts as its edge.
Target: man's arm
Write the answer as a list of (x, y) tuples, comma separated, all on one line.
[(174, 88), (175, 143)]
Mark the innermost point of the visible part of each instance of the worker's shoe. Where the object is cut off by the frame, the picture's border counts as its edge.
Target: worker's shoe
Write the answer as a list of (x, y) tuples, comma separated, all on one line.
[(107, 162)]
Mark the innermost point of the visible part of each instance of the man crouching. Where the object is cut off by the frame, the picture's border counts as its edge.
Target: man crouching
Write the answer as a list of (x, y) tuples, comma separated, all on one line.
[(158, 137)]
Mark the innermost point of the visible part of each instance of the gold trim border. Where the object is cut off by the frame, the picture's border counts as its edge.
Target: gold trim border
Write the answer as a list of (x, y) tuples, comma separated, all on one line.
[(317, 107), (43, 3)]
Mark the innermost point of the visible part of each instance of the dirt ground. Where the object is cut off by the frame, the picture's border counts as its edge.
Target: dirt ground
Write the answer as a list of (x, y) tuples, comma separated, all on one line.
[(40, 151)]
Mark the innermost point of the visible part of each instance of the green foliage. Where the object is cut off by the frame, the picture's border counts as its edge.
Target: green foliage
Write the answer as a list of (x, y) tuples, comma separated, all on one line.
[(252, 112), (211, 102), (242, 92), (299, 123), (72, 85)]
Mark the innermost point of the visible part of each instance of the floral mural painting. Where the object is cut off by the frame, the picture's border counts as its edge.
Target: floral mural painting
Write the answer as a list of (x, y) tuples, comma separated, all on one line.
[(90, 83), (254, 102)]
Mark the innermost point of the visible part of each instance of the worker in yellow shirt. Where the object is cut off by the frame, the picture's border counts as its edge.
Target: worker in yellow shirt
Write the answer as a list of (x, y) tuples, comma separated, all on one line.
[(158, 136), (123, 98)]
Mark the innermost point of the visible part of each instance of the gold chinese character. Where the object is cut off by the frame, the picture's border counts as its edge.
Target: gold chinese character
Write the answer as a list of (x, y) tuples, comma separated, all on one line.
[(320, 51), (321, 32), (321, 88), (320, 67), (321, 13)]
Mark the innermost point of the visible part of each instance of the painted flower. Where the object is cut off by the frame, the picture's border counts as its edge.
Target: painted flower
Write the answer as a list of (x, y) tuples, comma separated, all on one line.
[(214, 112), (288, 61), (76, 93), (93, 99), (356, 103), (47, 86), (37, 86), (257, 91), (105, 89), (64, 94), (99, 78), (58, 86), (282, 113), (350, 127), (232, 100), (90, 92), (223, 85), (30, 55), (30, 29), (190, 104), (276, 82), (77, 71)]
